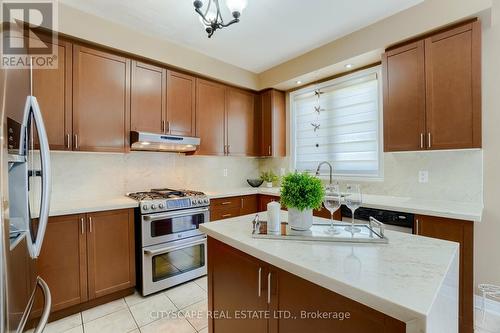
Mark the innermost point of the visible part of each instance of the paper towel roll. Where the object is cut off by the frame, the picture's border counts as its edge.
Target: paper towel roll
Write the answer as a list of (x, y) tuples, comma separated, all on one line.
[(273, 218)]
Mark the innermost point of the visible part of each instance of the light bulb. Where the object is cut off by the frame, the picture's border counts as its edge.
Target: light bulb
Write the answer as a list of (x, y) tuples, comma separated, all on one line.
[(236, 5)]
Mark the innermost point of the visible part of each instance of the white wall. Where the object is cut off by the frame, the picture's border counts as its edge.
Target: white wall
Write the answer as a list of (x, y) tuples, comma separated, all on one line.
[(84, 176), (453, 175)]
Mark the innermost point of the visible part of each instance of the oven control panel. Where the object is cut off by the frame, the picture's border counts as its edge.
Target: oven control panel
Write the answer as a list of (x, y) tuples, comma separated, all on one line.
[(154, 206)]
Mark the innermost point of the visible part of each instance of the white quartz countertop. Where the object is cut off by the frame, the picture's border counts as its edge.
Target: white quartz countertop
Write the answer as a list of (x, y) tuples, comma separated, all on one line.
[(441, 208), (88, 206), (401, 279)]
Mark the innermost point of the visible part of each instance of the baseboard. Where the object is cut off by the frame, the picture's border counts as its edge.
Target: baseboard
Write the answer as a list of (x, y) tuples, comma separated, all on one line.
[(490, 305)]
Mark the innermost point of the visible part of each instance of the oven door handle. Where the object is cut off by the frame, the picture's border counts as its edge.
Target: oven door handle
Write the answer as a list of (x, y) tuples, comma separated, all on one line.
[(172, 248), (184, 213)]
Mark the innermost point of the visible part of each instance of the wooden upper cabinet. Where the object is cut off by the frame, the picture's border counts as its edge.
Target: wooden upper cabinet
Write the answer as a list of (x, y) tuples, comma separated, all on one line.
[(273, 124), (453, 76), (110, 252), (53, 90), (432, 92), (181, 104), (101, 100), (62, 262), (210, 117), (404, 98), (148, 98), (242, 135)]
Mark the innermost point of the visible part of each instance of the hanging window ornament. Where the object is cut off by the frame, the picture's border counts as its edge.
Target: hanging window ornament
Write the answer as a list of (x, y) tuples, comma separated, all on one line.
[(316, 126)]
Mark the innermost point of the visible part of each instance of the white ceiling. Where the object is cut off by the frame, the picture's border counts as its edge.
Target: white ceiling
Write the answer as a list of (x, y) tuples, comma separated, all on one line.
[(270, 31)]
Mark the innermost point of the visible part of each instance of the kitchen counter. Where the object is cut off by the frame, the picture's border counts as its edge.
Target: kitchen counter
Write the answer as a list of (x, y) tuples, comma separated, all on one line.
[(89, 206), (413, 279), (440, 208)]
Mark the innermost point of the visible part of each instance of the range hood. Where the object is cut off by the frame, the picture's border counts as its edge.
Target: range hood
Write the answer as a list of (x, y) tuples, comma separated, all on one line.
[(163, 142)]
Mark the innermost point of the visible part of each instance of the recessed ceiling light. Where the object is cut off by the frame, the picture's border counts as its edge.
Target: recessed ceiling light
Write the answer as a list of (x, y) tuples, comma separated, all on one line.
[(348, 66), (298, 82)]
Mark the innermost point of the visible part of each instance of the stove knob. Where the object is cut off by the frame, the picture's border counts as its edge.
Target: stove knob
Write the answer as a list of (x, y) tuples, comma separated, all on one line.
[(206, 201), (161, 206), (145, 207), (200, 201), (153, 206)]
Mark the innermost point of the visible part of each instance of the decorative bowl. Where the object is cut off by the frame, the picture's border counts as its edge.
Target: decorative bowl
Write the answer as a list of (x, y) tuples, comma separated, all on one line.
[(255, 182)]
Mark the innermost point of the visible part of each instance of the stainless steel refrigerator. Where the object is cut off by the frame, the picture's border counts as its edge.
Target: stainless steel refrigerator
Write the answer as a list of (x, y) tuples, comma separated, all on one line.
[(25, 185)]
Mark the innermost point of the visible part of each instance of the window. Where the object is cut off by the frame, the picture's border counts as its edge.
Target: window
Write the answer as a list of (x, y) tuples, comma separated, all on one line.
[(340, 122)]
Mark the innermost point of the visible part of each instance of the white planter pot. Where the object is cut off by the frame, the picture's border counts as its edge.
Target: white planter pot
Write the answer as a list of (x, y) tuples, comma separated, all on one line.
[(300, 220), (269, 184)]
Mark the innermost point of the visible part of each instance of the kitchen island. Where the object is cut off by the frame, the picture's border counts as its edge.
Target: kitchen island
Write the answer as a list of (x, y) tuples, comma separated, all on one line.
[(258, 285)]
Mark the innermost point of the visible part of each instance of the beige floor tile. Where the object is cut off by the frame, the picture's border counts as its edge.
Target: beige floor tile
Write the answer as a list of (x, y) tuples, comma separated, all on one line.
[(186, 294), (169, 325), (121, 321), (205, 330), (103, 310), (78, 329), (196, 314), (202, 282), (135, 298), (64, 325), (152, 309)]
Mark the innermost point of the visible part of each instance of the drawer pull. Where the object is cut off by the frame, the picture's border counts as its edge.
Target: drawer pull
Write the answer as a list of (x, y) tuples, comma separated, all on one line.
[(226, 203), (226, 215)]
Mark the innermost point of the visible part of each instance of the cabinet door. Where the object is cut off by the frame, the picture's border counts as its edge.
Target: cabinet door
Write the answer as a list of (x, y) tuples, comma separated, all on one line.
[(453, 70), (273, 124), (210, 110), (101, 103), (63, 262), (181, 92), (265, 199), (404, 98), (249, 204), (325, 213), (110, 248), (148, 98), (242, 136), (294, 294), (461, 232), (233, 285), (53, 90)]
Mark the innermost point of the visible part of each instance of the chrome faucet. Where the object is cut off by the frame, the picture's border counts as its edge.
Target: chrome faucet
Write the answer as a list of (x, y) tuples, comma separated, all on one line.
[(331, 170)]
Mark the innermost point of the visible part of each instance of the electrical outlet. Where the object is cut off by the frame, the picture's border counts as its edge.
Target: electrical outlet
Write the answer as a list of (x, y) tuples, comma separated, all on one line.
[(282, 171), (423, 176), (225, 172)]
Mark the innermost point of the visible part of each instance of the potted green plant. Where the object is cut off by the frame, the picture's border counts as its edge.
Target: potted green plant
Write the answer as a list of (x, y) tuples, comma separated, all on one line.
[(301, 193), (269, 177)]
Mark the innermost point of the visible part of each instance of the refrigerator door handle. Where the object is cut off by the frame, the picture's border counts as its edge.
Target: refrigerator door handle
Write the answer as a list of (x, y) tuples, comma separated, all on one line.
[(46, 178), (46, 306)]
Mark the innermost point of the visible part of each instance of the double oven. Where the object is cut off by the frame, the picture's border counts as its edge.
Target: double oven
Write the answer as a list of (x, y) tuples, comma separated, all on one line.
[(172, 248)]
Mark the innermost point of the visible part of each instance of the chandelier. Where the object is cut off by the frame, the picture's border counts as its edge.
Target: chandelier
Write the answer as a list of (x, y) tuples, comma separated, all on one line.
[(211, 17)]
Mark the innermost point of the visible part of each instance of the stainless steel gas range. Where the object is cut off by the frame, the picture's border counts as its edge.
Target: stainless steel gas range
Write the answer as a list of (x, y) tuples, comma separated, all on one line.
[(172, 248)]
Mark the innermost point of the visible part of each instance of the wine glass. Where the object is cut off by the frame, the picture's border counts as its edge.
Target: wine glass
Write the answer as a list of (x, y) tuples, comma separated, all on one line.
[(332, 203), (353, 200)]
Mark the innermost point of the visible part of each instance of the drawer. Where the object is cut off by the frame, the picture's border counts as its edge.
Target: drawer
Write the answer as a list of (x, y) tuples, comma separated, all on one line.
[(225, 203), (249, 204), (220, 214)]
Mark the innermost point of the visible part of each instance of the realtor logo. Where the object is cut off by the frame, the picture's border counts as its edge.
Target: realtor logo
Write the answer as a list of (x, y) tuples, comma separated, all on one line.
[(28, 34)]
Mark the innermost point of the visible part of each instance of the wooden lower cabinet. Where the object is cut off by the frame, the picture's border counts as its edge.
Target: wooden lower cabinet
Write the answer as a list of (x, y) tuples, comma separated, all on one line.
[(461, 232), (240, 284), (87, 256), (110, 252)]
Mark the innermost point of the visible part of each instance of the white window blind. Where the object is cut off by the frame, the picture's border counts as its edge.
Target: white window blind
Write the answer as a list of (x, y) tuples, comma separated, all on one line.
[(346, 129)]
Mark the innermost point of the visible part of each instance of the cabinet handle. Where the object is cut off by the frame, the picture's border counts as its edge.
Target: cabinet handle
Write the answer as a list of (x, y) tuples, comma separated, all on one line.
[(269, 151), (225, 149), (228, 149), (269, 288), (76, 141), (82, 225), (226, 215), (429, 138), (167, 129), (422, 140), (242, 203), (90, 223), (163, 126), (260, 281), (226, 203), (67, 141), (416, 226)]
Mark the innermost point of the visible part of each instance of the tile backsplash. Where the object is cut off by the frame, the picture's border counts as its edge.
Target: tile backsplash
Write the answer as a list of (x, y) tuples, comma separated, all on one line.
[(83, 176), (453, 175)]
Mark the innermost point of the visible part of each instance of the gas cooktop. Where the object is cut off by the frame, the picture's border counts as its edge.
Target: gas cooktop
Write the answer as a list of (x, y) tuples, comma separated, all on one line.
[(166, 199)]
